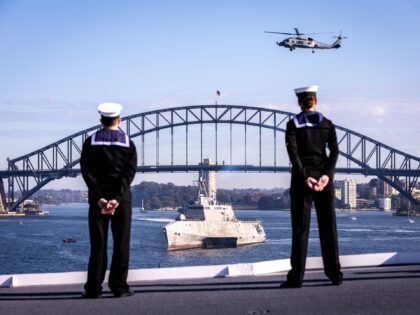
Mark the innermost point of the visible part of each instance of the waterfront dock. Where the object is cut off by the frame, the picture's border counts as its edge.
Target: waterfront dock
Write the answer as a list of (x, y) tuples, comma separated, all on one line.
[(389, 288)]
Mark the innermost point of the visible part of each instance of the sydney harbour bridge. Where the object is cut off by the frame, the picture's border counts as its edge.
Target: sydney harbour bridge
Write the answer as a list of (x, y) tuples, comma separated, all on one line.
[(237, 138)]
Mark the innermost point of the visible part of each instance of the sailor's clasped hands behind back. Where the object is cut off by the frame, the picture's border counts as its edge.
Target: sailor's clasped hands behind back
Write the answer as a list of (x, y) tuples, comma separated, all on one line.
[(317, 185), (107, 207)]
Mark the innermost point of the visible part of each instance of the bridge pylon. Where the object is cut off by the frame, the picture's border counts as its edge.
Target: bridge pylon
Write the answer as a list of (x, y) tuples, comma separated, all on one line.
[(2, 197)]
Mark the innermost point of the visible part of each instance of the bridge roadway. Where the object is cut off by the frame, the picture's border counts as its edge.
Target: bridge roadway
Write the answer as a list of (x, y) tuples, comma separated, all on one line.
[(73, 172), (372, 290)]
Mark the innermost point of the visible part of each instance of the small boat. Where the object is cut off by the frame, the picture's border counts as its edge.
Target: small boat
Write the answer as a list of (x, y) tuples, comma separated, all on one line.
[(69, 240), (353, 218), (409, 220), (142, 209)]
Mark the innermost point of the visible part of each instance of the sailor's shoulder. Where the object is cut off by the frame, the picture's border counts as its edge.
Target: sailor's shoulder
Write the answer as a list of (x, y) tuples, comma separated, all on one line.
[(88, 140), (326, 122), (291, 124)]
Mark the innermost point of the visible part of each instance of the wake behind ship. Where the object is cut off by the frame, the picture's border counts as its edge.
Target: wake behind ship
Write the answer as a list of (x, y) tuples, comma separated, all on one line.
[(208, 224)]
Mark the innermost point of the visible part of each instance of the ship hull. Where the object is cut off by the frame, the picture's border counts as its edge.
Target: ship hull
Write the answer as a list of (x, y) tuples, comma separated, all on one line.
[(202, 234)]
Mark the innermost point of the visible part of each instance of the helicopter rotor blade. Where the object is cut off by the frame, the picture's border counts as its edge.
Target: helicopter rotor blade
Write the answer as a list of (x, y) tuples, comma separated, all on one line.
[(297, 33), (317, 33), (279, 33)]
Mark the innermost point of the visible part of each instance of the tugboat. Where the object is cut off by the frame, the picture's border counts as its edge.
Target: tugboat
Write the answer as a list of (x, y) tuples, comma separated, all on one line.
[(208, 224)]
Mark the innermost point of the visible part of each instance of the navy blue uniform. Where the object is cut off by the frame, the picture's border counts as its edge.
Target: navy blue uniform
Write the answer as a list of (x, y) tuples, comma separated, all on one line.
[(108, 165), (307, 137)]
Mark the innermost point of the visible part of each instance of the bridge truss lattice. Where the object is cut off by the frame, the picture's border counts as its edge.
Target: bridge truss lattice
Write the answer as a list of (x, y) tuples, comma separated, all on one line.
[(181, 131)]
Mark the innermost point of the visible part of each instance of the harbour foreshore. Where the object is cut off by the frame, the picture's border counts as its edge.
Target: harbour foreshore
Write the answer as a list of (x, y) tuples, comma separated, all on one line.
[(12, 214)]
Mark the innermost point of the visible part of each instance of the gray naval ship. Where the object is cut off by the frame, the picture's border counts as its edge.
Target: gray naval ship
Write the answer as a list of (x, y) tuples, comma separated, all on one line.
[(208, 224)]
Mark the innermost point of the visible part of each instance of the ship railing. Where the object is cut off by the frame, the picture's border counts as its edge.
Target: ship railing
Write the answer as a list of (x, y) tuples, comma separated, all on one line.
[(193, 218), (248, 219)]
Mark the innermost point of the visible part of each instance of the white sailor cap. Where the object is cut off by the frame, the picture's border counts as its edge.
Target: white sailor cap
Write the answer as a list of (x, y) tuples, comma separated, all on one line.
[(110, 109), (307, 89)]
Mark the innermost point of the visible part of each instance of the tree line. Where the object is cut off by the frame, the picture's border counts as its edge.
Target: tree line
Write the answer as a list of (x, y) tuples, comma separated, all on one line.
[(158, 196)]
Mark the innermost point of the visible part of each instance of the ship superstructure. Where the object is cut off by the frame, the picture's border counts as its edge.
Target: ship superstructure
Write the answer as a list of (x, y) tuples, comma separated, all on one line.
[(208, 224)]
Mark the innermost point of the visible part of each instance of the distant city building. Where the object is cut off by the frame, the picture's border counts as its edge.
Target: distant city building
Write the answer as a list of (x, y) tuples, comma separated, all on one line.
[(416, 193), (386, 190), (2, 207), (373, 188), (374, 192), (337, 192), (365, 204), (384, 203), (363, 190), (348, 193)]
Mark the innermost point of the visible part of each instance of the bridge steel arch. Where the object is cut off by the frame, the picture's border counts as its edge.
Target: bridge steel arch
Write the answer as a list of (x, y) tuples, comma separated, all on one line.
[(363, 155)]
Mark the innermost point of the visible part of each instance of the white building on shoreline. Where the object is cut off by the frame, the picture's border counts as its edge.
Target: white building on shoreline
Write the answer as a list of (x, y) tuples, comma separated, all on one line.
[(345, 190), (384, 203)]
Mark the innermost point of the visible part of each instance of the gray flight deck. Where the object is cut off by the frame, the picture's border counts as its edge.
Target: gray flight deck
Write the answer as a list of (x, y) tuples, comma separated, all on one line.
[(368, 290)]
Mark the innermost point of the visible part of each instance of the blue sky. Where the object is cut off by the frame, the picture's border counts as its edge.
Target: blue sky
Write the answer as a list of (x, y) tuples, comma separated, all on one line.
[(59, 59)]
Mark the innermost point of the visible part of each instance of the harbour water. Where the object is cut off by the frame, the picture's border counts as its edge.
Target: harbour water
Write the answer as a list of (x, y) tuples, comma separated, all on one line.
[(35, 244)]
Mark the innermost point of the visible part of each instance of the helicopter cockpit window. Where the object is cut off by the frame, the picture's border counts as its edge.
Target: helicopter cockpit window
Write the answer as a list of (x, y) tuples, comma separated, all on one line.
[(310, 39)]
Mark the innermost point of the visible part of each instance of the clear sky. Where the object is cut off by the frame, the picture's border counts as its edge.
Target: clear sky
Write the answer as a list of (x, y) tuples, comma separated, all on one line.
[(59, 59)]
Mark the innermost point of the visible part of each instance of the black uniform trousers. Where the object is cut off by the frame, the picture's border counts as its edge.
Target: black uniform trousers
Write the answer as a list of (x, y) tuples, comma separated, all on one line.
[(98, 230), (301, 203)]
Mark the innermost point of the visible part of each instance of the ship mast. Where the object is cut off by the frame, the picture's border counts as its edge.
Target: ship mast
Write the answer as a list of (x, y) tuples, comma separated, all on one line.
[(208, 179)]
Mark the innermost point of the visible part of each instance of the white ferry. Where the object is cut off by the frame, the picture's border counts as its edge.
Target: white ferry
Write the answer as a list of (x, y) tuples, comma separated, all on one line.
[(30, 207)]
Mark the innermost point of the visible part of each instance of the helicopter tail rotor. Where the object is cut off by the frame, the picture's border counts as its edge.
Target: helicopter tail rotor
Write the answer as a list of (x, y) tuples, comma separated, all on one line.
[(337, 43), (340, 36)]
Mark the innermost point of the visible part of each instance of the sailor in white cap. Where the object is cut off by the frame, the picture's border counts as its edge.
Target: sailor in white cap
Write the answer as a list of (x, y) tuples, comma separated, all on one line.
[(307, 89), (307, 136), (108, 164), (110, 109)]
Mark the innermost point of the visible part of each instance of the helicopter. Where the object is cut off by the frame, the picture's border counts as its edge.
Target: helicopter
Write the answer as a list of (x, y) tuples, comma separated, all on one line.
[(302, 41)]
